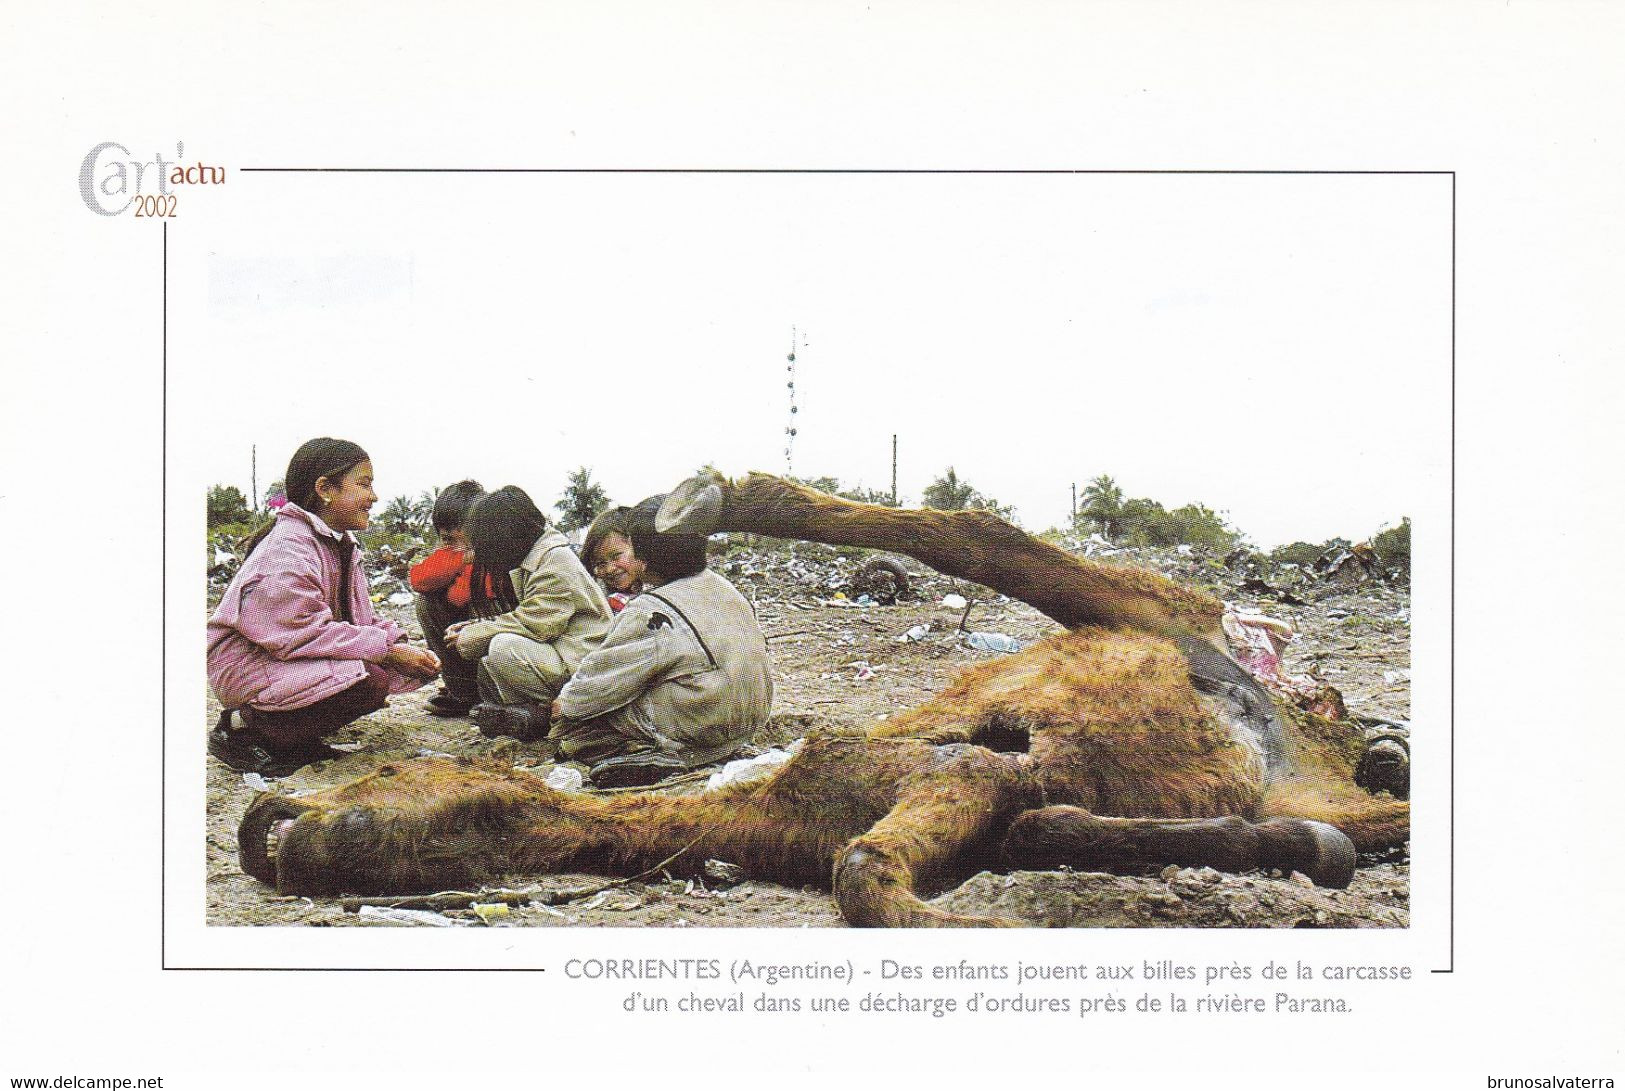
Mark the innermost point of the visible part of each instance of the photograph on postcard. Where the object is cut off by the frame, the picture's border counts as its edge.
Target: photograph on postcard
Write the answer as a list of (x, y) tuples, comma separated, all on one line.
[(788, 549)]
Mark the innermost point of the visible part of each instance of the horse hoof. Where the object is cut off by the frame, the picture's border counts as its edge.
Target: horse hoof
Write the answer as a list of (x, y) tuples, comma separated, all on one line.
[(1385, 767), (1324, 853), (694, 507)]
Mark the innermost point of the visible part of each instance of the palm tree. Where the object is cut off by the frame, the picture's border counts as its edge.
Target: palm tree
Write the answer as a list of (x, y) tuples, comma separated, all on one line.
[(1102, 503), (423, 508), (581, 502), (399, 515), (949, 493)]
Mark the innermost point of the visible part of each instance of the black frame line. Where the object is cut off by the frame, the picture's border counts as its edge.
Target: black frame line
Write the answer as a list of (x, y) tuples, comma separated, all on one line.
[(163, 654), (163, 619)]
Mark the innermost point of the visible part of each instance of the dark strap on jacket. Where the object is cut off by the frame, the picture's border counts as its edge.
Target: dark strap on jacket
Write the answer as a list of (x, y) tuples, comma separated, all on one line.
[(678, 610)]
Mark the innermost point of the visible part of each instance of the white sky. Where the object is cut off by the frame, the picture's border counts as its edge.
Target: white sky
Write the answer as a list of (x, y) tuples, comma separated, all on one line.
[(1274, 346)]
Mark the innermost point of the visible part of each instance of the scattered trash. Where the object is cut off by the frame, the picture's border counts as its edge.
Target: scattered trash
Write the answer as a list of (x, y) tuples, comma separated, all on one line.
[(882, 579), (1258, 587), (490, 911), (914, 635), (720, 873), (409, 916), (563, 778), (256, 782), (993, 642), (1346, 567), (1393, 677), (865, 671), (401, 598), (1098, 545), (952, 601), (865, 600), (1257, 640), (749, 770)]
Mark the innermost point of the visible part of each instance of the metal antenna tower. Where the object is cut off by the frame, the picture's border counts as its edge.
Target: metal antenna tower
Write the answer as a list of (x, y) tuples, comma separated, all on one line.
[(790, 428)]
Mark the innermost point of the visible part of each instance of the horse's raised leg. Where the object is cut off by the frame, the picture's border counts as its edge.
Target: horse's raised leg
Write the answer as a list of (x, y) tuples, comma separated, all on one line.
[(1071, 836), (972, 545)]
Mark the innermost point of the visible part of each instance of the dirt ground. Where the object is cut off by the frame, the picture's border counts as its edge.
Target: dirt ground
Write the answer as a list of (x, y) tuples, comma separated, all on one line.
[(838, 664)]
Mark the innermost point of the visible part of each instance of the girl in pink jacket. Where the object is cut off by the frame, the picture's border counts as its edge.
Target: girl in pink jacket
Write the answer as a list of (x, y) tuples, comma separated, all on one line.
[(294, 649)]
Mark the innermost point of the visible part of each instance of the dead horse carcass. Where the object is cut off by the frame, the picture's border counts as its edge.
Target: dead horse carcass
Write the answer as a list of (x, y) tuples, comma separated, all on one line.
[(1128, 743)]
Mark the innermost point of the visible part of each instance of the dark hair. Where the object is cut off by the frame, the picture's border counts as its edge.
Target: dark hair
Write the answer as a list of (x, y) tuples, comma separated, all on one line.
[(668, 556), (317, 458), (502, 527), (452, 506), (616, 520)]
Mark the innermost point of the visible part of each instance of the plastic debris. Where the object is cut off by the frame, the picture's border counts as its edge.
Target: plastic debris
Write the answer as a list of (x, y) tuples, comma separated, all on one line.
[(993, 642), (952, 601), (490, 911), (720, 873), (1097, 544), (256, 782), (1391, 677), (865, 600), (865, 671), (749, 770), (564, 779), (409, 916), (914, 635), (401, 598)]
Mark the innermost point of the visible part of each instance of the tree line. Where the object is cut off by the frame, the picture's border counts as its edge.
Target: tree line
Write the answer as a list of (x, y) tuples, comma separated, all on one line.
[(1104, 509)]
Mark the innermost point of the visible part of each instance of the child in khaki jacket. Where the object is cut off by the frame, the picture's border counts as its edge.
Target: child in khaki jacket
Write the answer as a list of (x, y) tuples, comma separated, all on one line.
[(537, 614)]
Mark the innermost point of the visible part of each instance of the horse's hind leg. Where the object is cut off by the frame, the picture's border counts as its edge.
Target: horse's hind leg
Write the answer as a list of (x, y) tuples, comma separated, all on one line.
[(1071, 836), (971, 545), (946, 822)]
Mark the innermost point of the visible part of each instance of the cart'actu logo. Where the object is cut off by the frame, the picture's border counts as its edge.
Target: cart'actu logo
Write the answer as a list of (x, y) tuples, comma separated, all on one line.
[(111, 180)]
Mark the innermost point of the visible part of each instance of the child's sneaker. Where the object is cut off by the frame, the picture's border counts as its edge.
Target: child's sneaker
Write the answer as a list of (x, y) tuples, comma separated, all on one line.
[(636, 769), (444, 704), (523, 722), (247, 750)]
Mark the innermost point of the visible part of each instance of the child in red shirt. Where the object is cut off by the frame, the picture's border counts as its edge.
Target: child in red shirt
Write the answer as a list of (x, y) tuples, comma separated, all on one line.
[(442, 582)]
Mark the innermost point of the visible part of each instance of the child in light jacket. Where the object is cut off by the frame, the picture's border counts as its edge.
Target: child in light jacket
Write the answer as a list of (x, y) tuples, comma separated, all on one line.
[(682, 679), (537, 614)]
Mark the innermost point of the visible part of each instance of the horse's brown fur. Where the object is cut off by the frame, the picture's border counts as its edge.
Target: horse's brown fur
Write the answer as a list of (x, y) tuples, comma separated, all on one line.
[(1133, 714)]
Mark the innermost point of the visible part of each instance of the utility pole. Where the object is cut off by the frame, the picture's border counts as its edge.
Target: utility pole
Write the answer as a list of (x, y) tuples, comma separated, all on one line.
[(894, 469), (1074, 502), (253, 477)]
